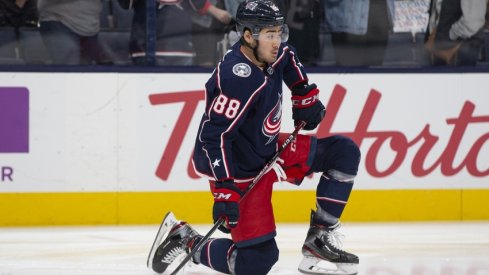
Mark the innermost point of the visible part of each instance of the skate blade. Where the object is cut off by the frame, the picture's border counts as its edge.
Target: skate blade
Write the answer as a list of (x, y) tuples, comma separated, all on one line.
[(168, 222), (313, 265)]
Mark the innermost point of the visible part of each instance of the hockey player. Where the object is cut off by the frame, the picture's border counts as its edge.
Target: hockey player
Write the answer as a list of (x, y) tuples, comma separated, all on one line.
[(239, 133)]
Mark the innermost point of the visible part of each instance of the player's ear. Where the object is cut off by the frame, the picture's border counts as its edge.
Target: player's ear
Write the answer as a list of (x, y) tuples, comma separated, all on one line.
[(248, 36)]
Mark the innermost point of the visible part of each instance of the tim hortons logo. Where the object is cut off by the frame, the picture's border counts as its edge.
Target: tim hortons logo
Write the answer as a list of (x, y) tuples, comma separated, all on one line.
[(425, 141)]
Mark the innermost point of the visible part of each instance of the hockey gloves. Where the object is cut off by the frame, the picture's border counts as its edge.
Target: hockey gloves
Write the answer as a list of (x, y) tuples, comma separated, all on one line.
[(306, 106), (226, 203)]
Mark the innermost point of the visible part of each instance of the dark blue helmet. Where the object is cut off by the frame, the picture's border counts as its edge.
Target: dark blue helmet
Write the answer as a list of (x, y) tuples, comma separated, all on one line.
[(258, 14)]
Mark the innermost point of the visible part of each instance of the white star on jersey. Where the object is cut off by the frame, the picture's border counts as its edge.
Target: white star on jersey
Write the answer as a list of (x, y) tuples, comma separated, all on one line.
[(216, 163)]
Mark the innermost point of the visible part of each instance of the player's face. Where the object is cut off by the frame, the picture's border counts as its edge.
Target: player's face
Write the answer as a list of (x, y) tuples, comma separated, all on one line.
[(270, 39)]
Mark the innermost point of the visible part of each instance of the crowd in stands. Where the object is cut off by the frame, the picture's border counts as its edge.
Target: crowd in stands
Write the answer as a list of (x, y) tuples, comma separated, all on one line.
[(373, 33)]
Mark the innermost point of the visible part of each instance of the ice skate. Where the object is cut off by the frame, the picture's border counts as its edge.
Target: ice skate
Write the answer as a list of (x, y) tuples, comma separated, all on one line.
[(322, 246), (177, 237)]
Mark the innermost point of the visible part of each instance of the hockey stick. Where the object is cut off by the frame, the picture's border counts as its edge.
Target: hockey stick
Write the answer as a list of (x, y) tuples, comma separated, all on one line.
[(221, 220)]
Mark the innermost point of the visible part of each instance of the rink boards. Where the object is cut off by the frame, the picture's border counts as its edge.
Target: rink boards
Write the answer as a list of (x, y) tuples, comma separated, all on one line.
[(115, 148)]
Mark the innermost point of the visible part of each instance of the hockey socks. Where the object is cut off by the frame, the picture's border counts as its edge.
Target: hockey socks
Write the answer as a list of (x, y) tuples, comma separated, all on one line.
[(223, 255), (331, 197), (214, 254)]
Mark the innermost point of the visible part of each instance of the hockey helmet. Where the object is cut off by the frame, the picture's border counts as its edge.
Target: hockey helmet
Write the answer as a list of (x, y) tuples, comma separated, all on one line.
[(258, 14)]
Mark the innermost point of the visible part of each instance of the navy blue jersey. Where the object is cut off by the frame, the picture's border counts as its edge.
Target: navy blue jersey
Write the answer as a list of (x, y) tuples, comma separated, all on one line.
[(238, 131)]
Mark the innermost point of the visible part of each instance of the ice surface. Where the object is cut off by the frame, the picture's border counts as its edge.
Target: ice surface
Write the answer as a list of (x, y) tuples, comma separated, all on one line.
[(448, 248)]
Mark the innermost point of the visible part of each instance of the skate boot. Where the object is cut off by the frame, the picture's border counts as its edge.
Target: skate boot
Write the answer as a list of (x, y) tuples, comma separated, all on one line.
[(179, 238), (323, 244)]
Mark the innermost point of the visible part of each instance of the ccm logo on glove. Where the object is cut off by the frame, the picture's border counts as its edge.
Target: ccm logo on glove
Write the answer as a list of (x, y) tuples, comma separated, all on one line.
[(307, 100)]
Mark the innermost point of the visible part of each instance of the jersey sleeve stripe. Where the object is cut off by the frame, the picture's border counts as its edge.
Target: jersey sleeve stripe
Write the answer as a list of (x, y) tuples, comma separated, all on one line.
[(296, 66), (208, 112)]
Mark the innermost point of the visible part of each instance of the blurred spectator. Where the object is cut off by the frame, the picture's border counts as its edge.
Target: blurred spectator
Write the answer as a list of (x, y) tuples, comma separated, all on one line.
[(230, 33), (487, 16), (173, 29), (303, 18), (455, 31), (69, 30), (18, 13), (486, 46), (232, 6), (359, 30), (207, 31)]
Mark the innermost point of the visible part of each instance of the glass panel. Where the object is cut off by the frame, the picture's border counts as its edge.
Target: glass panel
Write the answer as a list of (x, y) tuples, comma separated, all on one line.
[(326, 33)]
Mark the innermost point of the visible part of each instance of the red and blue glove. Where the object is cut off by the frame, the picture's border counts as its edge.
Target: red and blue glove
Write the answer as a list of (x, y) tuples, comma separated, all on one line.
[(306, 106), (226, 203)]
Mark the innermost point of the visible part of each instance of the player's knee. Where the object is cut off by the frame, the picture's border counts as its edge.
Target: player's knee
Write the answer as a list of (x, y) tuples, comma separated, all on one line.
[(349, 149), (257, 259), (346, 158), (350, 156), (336, 152)]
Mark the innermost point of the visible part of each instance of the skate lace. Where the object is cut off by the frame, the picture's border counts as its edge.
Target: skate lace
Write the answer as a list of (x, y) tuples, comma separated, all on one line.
[(172, 255), (335, 239)]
